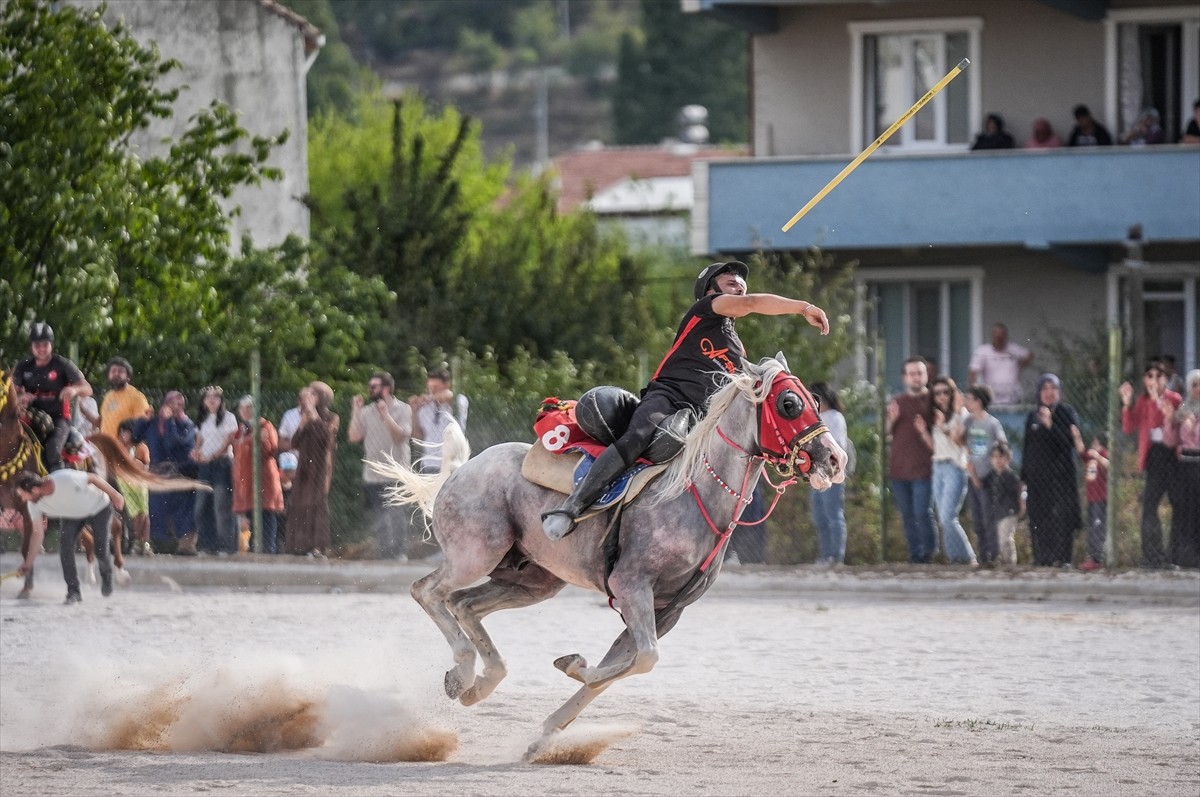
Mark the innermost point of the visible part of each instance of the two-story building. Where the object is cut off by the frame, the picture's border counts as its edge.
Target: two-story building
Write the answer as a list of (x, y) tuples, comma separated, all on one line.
[(1049, 241), (254, 56)]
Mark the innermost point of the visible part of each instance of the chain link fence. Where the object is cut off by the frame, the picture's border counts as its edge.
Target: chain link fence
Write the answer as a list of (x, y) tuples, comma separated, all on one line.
[(788, 535)]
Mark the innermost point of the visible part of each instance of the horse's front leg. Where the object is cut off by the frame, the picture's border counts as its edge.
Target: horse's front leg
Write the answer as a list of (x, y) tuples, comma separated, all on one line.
[(637, 609), (621, 655)]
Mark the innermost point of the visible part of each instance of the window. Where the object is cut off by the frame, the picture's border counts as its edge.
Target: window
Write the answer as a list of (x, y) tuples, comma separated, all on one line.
[(1169, 317), (930, 313), (1153, 61), (895, 63)]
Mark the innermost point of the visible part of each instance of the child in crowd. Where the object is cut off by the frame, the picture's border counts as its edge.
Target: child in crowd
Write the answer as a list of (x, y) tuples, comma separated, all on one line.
[(137, 499), (1005, 500), (1096, 477)]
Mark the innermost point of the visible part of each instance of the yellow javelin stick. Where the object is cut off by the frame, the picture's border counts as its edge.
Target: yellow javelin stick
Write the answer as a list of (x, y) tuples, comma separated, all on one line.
[(918, 105), (7, 576)]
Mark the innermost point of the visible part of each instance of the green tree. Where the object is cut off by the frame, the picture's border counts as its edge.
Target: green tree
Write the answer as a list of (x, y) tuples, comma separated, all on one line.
[(132, 255), (680, 59)]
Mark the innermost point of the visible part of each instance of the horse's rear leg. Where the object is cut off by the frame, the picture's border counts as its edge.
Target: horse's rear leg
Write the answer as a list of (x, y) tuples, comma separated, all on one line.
[(471, 605), (433, 593)]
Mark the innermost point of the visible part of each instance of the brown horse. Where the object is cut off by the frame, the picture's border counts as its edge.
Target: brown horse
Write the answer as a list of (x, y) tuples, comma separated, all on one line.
[(20, 452)]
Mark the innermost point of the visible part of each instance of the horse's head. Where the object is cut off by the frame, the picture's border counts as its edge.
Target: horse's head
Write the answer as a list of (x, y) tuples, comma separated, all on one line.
[(791, 435)]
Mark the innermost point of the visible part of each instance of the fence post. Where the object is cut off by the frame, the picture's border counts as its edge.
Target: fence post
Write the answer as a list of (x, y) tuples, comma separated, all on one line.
[(1113, 426), (256, 531), (881, 410)]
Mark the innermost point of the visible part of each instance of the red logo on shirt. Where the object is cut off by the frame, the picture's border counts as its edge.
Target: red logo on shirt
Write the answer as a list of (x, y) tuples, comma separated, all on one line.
[(52, 375), (719, 356)]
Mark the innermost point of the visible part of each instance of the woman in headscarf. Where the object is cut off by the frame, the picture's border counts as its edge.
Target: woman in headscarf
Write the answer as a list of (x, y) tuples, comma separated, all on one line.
[(1042, 136), (1052, 441), (1184, 434), (315, 443)]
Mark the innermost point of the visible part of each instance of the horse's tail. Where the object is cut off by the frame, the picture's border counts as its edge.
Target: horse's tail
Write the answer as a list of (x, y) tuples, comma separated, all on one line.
[(456, 450), (125, 467), (410, 487)]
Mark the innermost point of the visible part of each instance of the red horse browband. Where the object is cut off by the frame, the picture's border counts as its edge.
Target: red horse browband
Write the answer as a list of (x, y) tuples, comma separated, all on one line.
[(788, 419)]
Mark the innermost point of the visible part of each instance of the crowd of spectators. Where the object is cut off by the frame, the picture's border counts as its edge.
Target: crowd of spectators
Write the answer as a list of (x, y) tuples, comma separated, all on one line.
[(1146, 130), (216, 447), (947, 447)]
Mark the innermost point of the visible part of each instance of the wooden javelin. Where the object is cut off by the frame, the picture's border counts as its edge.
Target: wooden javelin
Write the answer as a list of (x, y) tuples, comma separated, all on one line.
[(929, 95)]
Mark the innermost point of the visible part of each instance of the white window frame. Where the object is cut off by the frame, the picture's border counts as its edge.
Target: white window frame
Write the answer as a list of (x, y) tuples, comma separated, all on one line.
[(945, 275), (1162, 272), (1189, 19), (972, 26)]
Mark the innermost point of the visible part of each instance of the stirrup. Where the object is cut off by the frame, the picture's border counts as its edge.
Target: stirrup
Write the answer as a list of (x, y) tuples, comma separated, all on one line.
[(556, 536)]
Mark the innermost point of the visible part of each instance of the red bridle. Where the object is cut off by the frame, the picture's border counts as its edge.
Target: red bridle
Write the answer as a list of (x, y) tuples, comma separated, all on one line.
[(787, 419)]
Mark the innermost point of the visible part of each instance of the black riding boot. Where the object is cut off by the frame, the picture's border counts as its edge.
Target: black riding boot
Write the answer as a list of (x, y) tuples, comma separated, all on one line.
[(558, 523)]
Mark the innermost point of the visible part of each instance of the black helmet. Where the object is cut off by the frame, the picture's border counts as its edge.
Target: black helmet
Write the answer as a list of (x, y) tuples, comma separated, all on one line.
[(121, 361), (40, 331), (710, 273)]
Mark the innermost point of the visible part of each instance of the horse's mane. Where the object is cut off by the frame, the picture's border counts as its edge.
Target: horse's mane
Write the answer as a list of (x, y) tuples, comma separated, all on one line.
[(752, 385)]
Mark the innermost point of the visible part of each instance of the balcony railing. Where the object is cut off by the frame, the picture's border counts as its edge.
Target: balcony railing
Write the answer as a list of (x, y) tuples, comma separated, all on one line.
[(1032, 198)]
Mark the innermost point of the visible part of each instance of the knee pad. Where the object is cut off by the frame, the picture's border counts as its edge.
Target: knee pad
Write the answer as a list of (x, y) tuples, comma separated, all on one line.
[(604, 412), (669, 436)]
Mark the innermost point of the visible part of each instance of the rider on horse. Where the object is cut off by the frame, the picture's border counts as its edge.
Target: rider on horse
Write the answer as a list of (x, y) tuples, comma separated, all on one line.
[(46, 383), (706, 344)]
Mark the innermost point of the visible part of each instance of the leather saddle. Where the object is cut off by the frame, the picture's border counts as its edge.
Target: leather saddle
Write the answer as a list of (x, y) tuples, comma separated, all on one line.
[(600, 417)]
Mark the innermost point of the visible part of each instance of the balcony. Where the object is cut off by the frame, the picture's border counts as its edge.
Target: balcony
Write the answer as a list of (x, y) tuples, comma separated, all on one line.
[(1065, 198)]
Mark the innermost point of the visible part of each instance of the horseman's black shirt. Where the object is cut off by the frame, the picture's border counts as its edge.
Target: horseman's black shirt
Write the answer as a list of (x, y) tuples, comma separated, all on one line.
[(47, 382), (705, 345)]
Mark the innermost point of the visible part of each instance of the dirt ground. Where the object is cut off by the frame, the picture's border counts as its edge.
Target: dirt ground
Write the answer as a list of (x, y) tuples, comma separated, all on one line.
[(186, 691)]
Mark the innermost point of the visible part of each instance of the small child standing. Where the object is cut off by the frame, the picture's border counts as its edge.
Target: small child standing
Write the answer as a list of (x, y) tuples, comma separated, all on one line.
[(1005, 501), (1095, 461), (137, 498)]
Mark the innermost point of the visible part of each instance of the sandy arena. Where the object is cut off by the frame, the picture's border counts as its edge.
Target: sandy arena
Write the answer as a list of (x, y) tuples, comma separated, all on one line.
[(777, 687)]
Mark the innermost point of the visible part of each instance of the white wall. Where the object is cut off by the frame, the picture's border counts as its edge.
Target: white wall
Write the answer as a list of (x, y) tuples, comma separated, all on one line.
[(1035, 61), (251, 59)]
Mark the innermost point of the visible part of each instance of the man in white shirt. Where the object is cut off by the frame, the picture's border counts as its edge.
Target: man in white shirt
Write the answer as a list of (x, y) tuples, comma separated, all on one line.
[(383, 425), (998, 365), (432, 413), (78, 499)]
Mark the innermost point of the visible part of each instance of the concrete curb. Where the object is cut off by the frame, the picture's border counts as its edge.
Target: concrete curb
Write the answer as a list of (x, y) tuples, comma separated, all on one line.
[(288, 573)]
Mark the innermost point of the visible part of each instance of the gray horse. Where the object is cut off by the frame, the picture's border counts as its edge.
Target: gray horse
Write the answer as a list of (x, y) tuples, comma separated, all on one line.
[(487, 519)]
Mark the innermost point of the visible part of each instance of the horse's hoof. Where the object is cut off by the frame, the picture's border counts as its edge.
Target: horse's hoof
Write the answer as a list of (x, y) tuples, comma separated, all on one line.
[(454, 685), (571, 665)]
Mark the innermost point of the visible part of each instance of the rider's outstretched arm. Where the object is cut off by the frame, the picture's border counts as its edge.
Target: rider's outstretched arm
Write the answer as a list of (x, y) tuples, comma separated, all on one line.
[(735, 306)]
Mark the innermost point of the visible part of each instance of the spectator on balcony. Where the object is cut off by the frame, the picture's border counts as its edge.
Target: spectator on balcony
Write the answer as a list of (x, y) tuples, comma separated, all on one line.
[(1052, 441), (994, 136), (1146, 131), (1150, 417), (1087, 131), (998, 365), (1191, 134), (1043, 136)]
